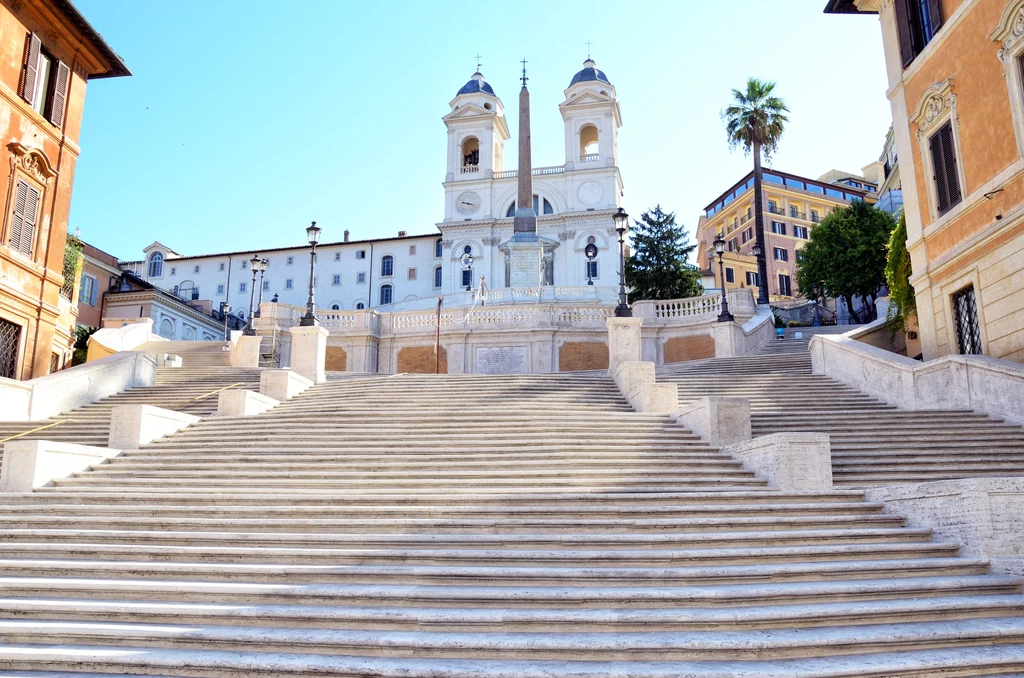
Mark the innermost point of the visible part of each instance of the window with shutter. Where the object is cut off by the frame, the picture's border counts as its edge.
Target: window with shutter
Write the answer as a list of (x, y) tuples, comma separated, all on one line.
[(58, 97), (30, 68), (917, 22), (23, 219), (944, 164)]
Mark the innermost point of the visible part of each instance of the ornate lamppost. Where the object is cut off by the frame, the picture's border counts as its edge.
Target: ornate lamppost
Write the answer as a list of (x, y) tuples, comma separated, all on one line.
[(263, 270), (591, 251), (467, 262), (254, 266), (313, 236), (762, 285), (621, 225), (225, 307), (724, 316)]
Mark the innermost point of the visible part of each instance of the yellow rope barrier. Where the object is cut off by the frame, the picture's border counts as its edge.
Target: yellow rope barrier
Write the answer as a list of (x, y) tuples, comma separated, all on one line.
[(35, 430), (207, 395)]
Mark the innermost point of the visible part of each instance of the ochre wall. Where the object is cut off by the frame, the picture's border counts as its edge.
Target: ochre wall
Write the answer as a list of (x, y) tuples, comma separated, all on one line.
[(576, 356), (420, 360), (337, 359), (695, 347)]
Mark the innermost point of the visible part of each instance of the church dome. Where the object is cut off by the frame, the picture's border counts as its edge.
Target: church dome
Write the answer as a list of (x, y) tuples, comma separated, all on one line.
[(589, 74), (476, 84)]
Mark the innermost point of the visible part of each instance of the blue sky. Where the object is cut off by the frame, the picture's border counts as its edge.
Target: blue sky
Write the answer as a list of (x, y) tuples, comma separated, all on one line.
[(244, 121)]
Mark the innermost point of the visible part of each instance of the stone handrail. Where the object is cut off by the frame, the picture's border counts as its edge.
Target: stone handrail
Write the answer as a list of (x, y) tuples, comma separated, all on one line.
[(741, 303), (951, 382), (76, 386)]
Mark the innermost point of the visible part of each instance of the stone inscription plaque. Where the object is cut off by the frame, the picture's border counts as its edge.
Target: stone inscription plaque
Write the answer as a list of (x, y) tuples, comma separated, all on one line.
[(501, 360)]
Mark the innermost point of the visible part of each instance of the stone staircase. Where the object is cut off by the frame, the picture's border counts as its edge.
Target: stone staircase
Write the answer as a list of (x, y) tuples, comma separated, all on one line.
[(872, 443), (191, 388), (515, 526)]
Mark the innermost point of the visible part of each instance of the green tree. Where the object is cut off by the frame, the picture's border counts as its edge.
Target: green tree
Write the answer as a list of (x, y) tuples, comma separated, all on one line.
[(755, 121), (82, 334), (657, 268), (902, 302), (845, 256)]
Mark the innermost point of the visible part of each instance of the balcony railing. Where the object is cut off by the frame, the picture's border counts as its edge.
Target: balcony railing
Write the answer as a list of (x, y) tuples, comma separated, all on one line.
[(793, 214), (776, 210), (509, 174), (744, 219), (590, 157), (470, 169)]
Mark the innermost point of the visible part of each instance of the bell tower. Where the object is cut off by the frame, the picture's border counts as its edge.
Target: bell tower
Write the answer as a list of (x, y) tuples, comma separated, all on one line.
[(477, 132), (592, 120)]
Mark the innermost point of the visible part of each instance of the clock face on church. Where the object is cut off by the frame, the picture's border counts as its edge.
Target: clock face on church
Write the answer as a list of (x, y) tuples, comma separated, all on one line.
[(467, 203)]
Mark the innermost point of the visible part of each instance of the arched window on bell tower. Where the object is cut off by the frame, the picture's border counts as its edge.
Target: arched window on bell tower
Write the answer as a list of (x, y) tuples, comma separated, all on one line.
[(589, 144), (470, 155)]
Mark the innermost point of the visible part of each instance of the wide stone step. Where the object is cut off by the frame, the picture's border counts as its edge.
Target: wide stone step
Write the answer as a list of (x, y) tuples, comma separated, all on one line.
[(582, 646), (927, 565), (479, 541), (507, 557), (449, 525), (163, 662), (780, 606)]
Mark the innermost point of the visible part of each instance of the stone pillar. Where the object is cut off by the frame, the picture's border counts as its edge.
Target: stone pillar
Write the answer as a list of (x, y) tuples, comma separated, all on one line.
[(309, 352), (623, 341)]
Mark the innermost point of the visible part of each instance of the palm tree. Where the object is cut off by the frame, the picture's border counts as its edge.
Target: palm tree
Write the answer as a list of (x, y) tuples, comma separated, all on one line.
[(755, 120)]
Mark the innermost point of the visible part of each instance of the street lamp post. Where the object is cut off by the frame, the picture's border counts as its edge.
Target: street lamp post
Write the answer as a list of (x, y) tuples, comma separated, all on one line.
[(254, 266), (724, 316), (467, 262), (225, 307), (621, 224), (591, 251), (313, 236), (263, 270), (762, 285)]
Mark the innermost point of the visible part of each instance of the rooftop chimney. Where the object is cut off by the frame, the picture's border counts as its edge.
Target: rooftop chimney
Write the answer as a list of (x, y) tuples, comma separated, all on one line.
[(346, 235), (402, 234)]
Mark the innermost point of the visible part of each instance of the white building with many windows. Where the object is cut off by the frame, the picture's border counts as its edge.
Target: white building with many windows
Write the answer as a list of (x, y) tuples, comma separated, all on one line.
[(574, 200)]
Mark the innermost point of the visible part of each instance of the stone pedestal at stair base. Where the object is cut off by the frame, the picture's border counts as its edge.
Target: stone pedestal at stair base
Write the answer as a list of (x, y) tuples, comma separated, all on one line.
[(35, 463), (282, 385), (624, 344), (245, 350), (135, 425), (309, 352), (984, 515), (719, 421), (795, 462), (636, 381), (242, 403)]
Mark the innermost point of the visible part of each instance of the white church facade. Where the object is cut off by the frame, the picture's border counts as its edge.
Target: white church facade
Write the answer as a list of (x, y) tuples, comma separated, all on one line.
[(574, 203)]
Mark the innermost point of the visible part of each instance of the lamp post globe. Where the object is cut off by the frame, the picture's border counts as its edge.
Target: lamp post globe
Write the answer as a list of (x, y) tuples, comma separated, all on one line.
[(719, 245), (313, 236), (591, 251), (621, 226), (254, 266)]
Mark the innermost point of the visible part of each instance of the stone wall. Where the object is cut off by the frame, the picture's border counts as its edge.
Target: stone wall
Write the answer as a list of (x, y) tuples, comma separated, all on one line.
[(421, 360), (576, 356)]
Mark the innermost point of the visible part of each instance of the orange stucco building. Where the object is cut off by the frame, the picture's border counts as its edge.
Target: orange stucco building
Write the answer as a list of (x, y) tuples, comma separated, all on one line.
[(49, 53), (955, 70)]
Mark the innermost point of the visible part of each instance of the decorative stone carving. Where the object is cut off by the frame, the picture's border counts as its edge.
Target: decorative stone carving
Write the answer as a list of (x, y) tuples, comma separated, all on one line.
[(1010, 28), (32, 161), (567, 235), (935, 103), (590, 193), (491, 242), (446, 244)]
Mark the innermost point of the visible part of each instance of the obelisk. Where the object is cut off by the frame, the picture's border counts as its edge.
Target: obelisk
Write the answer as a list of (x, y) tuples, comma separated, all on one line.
[(525, 249)]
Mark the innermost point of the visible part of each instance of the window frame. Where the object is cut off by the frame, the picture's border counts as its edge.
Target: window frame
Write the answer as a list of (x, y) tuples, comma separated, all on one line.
[(1011, 54), (387, 270), (391, 294), (438, 278), (936, 107), (783, 250)]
